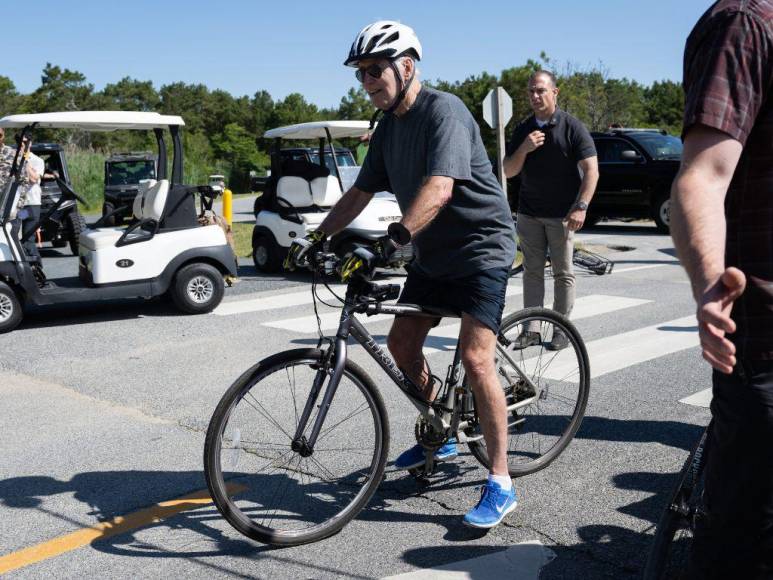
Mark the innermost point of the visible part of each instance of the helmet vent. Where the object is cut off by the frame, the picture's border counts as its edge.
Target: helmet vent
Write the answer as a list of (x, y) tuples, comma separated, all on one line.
[(395, 35), (373, 42)]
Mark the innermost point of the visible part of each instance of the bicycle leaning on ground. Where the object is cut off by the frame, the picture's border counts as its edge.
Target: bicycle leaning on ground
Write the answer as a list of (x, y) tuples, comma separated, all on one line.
[(298, 444), (674, 534)]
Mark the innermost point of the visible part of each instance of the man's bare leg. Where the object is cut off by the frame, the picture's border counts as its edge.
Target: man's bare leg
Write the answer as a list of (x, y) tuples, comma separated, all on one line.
[(405, 342), (478, 344)]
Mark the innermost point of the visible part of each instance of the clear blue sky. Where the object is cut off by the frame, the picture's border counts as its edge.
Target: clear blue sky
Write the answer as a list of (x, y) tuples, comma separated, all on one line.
[(285, 47)]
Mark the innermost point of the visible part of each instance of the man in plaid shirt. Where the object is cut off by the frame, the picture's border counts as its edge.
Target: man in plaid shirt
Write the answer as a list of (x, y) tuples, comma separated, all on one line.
[(722, 225)]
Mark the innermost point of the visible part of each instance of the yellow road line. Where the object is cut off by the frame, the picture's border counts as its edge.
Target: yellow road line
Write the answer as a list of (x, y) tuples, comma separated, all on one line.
[(114, 527)]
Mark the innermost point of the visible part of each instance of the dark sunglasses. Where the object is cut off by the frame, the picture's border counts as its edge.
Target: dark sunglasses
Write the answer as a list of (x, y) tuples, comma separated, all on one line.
[(374, 71)]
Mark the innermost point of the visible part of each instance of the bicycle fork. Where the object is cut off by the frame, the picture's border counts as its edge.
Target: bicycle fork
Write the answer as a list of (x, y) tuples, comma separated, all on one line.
[(301, 444)]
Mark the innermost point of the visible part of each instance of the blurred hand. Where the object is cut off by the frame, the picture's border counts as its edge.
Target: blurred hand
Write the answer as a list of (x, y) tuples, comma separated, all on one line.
[(533, 141), (575, 219), (714, 321), (302, 249)]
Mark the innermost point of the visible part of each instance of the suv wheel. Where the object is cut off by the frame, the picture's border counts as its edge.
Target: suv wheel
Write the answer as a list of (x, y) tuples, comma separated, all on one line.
[(197, 288), (75, 225), (662, 212), (10, 309)]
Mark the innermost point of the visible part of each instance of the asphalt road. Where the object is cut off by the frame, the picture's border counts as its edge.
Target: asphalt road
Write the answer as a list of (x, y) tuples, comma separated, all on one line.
[(105, 409)]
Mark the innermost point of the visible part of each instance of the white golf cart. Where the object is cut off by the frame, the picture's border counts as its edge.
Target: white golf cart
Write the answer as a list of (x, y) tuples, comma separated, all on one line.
[(303, 187), (163, 249)]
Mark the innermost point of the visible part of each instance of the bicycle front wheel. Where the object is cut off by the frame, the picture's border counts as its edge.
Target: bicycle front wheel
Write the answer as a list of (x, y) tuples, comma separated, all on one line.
[(276, 495), (670, 552), (546, 390)]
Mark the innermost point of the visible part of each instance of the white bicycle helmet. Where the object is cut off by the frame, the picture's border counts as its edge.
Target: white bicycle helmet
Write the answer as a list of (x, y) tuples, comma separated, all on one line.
[(384, 39)]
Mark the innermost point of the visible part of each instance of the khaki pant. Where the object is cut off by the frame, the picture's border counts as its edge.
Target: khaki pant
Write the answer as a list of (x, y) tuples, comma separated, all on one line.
[(535, 237)]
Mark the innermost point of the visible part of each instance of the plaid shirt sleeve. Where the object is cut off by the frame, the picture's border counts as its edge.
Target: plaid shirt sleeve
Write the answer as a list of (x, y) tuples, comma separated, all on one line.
[(727, 74)]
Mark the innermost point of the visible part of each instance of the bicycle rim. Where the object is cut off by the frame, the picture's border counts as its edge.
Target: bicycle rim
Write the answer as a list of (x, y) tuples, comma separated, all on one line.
[(273, 494), (540, 430)]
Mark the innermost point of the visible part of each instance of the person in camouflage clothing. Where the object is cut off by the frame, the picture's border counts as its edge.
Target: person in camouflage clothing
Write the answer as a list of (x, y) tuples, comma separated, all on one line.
[(7, 155)]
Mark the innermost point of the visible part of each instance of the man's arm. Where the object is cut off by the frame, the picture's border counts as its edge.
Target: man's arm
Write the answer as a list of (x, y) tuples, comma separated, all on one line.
[(434, 194), (514, 163), (698, 228), (590, 178), (348, 207)]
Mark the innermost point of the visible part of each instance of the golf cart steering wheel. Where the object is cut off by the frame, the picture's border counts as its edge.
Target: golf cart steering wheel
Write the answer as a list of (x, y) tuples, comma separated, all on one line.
[(68, 190)]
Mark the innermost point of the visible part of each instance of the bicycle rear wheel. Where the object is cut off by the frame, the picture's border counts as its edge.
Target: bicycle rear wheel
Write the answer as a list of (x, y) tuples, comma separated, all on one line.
[(670, 552), (541, 420), (273, 494)]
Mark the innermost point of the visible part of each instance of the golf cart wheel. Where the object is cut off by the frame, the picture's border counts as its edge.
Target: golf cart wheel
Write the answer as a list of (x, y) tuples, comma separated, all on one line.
[(662, 213), (75, 225), (10, 309), (197, 288), (107, 208), (266, 254)]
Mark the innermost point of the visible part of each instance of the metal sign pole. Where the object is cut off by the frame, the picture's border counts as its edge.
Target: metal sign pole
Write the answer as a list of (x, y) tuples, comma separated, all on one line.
[(500, 97)]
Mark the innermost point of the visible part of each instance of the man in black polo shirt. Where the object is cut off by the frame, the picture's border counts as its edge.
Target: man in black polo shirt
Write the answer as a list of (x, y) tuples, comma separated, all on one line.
[(549, 149)]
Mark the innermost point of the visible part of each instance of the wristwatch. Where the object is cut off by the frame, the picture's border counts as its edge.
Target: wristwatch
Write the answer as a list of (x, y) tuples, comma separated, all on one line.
[(581, 205)]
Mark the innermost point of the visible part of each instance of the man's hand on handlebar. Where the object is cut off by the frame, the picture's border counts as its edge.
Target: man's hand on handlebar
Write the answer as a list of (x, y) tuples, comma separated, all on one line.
[(303, 249), (367, 259)]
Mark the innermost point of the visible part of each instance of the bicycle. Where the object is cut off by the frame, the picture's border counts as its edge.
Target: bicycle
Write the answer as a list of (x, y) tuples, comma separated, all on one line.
[(286, 467), (674, 533)]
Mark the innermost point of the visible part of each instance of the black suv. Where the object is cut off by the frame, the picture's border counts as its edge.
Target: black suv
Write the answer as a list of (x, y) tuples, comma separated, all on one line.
[(123, 173), (636, 168), (61, 223)]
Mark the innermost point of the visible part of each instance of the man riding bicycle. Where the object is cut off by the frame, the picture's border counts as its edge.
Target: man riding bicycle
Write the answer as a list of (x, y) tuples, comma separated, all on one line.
[(427, 150)]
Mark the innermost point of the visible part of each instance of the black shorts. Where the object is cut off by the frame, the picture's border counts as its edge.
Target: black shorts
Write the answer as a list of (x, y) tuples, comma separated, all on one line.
[(481, 295)]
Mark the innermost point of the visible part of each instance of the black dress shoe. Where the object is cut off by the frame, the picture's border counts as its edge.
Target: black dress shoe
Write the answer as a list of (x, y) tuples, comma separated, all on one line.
[(526, 338), (560, 341)]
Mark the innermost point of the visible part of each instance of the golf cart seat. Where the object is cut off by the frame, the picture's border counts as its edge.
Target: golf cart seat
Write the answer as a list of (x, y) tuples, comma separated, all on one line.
[(325, 191), (148, 204), (294, 191), (139, 199)]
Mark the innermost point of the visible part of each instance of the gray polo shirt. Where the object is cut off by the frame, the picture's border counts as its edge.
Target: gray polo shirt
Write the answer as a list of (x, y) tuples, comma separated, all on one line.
[(438, 136)]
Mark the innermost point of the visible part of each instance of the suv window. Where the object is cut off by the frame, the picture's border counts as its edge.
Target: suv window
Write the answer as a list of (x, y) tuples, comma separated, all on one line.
[(659, 146), (344, 159), (130, 172), (611, 150)]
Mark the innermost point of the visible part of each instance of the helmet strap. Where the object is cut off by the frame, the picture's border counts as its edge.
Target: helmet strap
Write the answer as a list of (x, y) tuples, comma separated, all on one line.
[(404, 86)]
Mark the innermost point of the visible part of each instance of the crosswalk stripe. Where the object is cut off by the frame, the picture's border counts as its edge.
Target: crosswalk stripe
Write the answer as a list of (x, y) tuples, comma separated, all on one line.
[(584, 307), (522, 561), (699, 399), (613, 353), (276, 301), (330, 320)]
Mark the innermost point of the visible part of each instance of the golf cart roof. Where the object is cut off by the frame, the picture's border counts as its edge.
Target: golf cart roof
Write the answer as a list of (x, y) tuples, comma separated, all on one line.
[(319, 130), (94, 120)]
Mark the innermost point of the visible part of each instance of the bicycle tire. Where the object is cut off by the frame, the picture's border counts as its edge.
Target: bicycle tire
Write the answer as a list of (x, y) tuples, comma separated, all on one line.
[(308, 509), (668, 556), (552, 419)]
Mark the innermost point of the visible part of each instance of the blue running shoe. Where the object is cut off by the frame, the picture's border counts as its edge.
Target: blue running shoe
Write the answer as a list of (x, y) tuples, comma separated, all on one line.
[(415, 456), (494, 505)]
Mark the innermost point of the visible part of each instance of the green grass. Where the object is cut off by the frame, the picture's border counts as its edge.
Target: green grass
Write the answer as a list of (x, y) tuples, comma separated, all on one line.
[(87, 173), (243, 238)]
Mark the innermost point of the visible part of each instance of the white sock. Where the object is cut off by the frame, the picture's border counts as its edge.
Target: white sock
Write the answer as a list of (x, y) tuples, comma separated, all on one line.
[(502, 481)]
